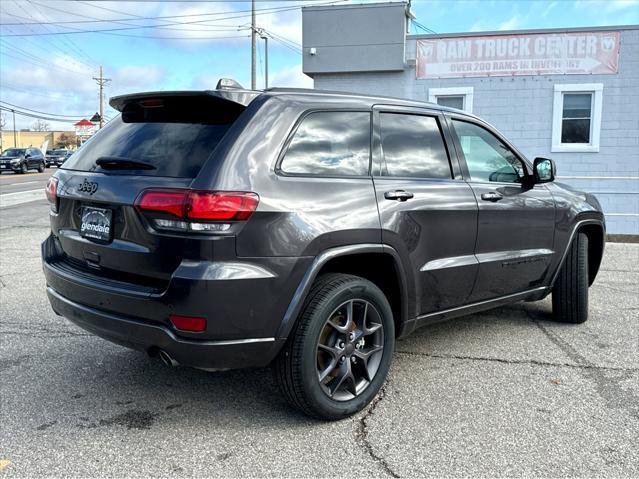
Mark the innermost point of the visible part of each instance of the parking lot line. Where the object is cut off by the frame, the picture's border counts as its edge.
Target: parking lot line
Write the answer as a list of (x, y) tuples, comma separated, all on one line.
[(17, 198), (22, 183)]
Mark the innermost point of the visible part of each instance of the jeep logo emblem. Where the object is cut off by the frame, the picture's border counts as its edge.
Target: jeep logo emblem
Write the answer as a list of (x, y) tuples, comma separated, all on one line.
[(87, 187)]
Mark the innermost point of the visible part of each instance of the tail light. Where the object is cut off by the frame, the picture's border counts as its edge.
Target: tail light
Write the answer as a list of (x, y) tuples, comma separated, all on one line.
[(198, 211), (51, 191)]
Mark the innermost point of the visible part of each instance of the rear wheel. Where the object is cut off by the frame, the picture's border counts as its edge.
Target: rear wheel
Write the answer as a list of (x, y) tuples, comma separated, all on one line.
[(570, 291), (339, 353)]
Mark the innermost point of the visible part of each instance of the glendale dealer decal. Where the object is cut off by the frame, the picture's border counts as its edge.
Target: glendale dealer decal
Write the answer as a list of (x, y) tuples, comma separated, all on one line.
[(506, 55)]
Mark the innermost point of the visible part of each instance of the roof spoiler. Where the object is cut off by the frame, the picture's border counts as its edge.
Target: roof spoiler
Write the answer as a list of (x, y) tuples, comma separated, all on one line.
[(236, 96)]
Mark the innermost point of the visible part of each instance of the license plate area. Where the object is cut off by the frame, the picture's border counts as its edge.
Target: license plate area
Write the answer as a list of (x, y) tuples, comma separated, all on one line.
[(96, 223)]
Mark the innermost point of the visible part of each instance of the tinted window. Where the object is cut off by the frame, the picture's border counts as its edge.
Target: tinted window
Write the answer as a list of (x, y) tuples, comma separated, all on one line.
[(575, 125), (456, 101), (330, 143), (487, 157), (413, 146), (14, 152), (176, 137)]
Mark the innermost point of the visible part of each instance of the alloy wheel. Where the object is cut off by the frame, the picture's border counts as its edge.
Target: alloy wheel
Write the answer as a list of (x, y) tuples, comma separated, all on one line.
[(349, 349)]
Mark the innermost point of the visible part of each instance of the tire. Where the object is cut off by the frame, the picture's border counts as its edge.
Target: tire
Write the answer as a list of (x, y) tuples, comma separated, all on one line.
[(23, 168), (299, 365), (41, 168), (570, 291)]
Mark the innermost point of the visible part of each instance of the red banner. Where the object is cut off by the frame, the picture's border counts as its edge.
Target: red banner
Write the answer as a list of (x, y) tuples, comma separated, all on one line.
[(520, 54)]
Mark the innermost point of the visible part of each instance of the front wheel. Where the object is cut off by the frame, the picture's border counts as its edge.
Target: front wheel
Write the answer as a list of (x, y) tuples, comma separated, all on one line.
[(41, 168), (23, 168), (570, 291), (339, 353)]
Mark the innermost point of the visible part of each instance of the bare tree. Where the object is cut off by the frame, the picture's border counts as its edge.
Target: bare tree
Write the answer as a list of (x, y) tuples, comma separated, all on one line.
[(66, 141), (3, 121), (40, 125)]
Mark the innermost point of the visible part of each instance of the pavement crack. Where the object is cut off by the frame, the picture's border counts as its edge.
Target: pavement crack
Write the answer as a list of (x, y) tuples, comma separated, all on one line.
[(362, 434), (515, 361), (607, 382)]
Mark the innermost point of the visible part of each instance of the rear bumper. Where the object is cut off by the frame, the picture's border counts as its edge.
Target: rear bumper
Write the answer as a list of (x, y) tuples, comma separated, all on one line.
[(243, 302), (151, 338)]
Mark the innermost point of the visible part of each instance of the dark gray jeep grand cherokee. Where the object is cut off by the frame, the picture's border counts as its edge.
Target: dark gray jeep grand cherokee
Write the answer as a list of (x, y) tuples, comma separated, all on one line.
[(305, 230)]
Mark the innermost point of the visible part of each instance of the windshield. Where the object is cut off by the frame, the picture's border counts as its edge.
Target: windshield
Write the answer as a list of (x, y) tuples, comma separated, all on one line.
[(13, 152)]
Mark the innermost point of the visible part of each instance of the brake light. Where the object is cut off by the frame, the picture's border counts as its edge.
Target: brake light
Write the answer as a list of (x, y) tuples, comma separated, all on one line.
[(152, 103), (221, 206), (188, 323), (51, 191), (197, 210), (172, 202)]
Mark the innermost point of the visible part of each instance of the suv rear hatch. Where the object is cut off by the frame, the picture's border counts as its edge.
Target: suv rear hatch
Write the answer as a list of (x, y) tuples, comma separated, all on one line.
[(160, 141)]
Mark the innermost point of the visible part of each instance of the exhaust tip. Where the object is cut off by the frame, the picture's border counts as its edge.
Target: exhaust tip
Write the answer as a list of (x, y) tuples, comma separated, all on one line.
[(167, 359)]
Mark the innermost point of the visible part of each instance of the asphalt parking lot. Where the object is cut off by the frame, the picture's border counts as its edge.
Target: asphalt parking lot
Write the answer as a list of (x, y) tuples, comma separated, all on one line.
[(503, 393)]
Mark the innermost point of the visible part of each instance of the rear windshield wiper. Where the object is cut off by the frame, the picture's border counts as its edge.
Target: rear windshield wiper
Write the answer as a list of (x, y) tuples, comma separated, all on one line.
[(120, 163)]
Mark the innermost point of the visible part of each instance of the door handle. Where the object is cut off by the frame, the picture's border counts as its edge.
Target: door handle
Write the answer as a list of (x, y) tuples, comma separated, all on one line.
[(399, 195), (491, 196)]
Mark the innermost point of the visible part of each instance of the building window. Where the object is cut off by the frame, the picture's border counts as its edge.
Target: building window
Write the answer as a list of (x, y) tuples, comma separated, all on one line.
[(576, 120), (454, 97)]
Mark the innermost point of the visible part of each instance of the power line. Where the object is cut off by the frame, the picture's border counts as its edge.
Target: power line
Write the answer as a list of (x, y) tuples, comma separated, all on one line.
[(138, 27), (66, 40), (284, 41), (41, 65), (29, 40), (426, 29), (29, 110), (50, 95), (114, 20), (40, 117)]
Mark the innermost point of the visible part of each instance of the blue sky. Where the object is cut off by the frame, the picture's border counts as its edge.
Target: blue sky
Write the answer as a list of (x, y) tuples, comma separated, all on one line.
[(53, 73)]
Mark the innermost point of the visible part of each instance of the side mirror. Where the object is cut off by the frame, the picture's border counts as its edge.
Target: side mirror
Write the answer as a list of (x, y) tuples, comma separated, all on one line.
[(544, 170), (27, 155)]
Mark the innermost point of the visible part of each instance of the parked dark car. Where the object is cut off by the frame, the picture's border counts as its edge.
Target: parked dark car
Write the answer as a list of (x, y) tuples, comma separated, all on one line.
[(21, 160), (306, 230), (57, 157)]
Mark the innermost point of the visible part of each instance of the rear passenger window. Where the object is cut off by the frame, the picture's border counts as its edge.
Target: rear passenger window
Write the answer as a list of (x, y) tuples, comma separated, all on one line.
[(330, 143), (413, 147)]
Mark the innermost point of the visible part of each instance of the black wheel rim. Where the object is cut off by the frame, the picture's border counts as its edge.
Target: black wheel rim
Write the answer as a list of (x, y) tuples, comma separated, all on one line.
[(349, 349)]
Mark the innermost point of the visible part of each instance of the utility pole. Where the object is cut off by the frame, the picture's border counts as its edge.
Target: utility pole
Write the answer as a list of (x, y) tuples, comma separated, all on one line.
[(264, 37), (101, 82), (15, 141), (253, 45)]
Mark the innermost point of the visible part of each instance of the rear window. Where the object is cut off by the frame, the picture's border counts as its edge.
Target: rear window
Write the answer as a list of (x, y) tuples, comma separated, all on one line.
[(174, 136), (330, 143)]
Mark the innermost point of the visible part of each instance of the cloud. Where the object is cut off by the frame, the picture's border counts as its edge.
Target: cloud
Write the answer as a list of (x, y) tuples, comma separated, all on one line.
[(607, 6), (135, 77), (511, 24), (291, 77), (57, 89), (548, 9)]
